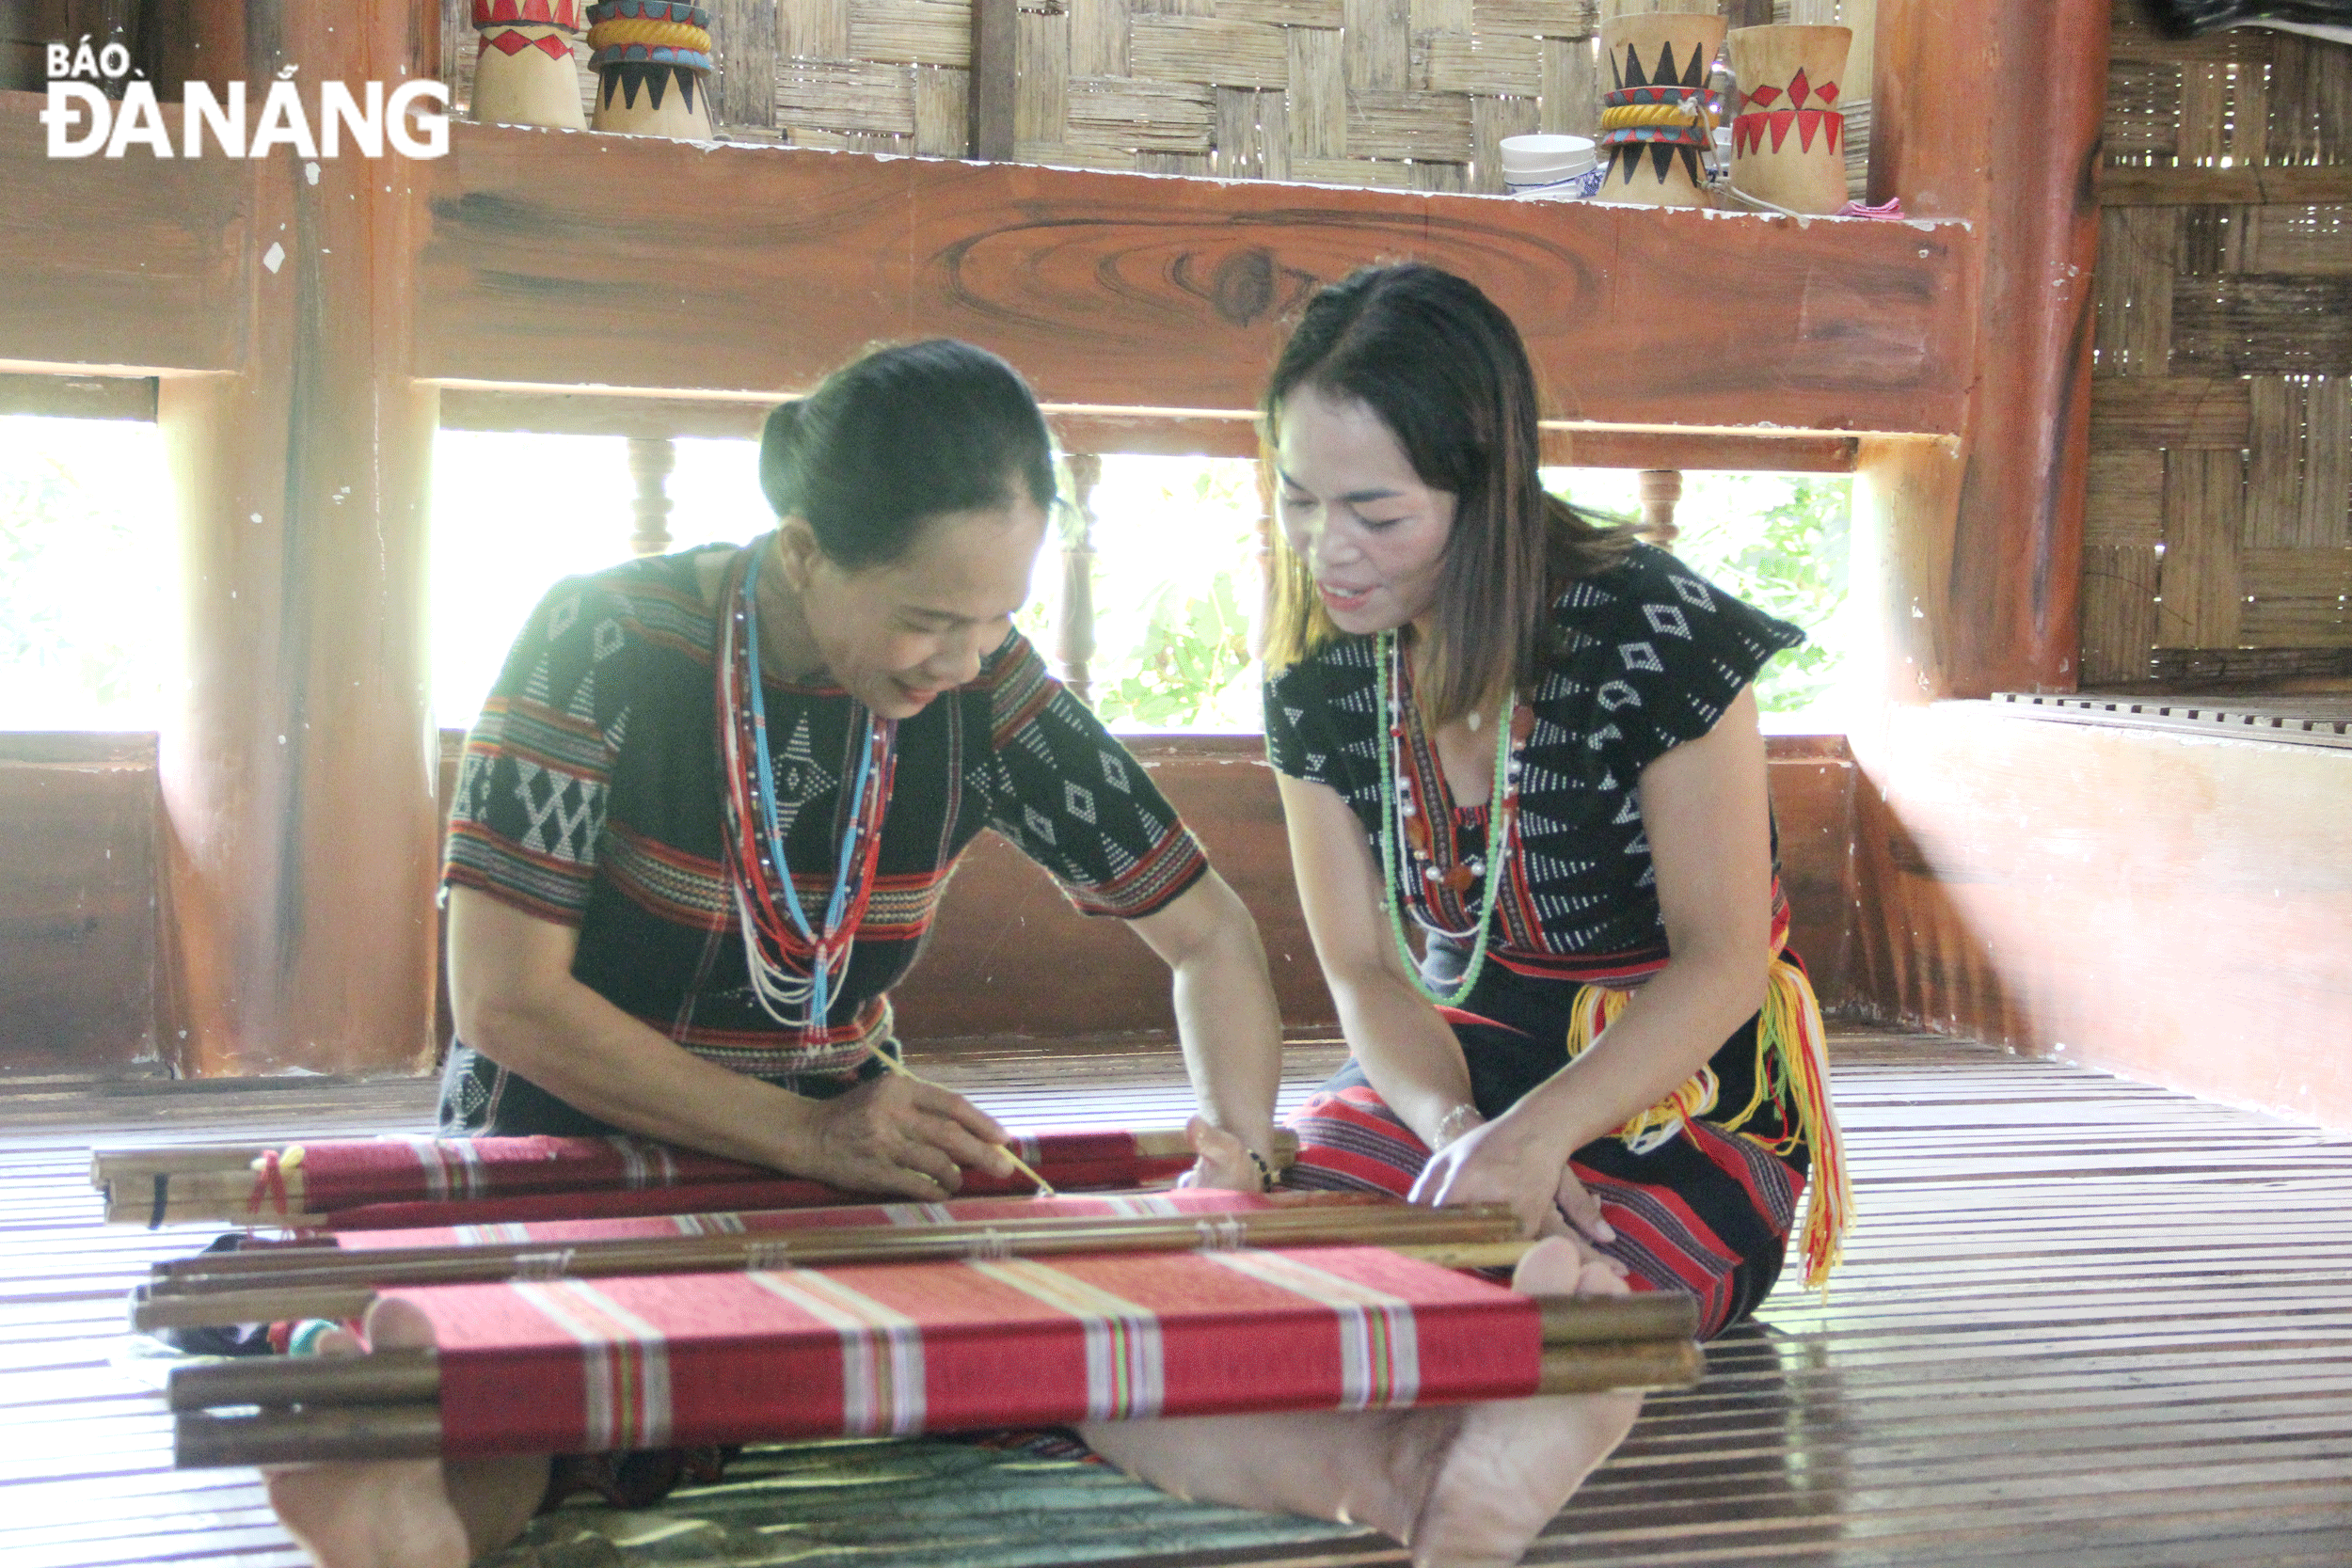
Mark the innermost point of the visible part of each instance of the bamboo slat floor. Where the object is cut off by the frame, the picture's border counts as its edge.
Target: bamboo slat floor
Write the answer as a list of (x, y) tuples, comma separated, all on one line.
[(2083, 1322)]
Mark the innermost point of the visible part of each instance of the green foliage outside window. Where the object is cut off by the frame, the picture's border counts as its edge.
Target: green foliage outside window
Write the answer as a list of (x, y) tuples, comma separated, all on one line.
[(1175, 582)]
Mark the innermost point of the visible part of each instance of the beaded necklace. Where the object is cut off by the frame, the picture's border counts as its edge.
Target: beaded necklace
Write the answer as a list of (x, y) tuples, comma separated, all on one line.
[(1401, 816), (796, 969)]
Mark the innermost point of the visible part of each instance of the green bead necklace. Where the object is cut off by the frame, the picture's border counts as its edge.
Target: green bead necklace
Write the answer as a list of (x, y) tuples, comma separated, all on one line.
[(1396, 890)]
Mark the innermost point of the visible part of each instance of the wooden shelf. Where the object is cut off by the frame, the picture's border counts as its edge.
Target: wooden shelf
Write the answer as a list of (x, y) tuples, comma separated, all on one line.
[(562, 260)]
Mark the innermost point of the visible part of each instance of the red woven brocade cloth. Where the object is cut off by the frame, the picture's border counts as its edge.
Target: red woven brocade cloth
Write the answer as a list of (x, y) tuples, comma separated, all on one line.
[(593, 1366), (407, 1182)]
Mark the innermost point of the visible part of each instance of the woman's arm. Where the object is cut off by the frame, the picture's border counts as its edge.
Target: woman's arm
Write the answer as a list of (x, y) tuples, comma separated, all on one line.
[(1406, 1050), (515, 1000), (1705, 807), (1226, 1015)]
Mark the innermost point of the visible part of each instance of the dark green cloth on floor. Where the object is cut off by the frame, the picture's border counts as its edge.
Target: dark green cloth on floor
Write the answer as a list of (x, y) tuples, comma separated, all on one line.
[(917, 1503)]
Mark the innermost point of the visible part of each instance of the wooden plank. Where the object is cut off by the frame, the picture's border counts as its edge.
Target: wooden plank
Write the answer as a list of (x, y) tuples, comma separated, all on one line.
[(1156, 294), (1209, 51), (2139, 256), (2298, 482), (2296, 597), (131, 266), (2205, 512), (2120, 622), (2262, 326), (1571, 91), (2282, 186), (2134, 414), (994, 92), (79, 397), (2007, 859), (2127, 498), (2312, 241), (743, 38)]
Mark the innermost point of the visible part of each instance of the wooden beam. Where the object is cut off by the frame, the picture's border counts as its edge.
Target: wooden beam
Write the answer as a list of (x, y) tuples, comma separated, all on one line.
[(1152, 432), (1990, 565), (995, 32), (1125, 289), (79, 397), (135, 264)]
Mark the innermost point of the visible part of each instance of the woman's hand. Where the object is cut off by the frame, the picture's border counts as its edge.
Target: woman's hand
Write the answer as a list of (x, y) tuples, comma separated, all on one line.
[(894, 1135), (1509, 1161), (1223, 1160)]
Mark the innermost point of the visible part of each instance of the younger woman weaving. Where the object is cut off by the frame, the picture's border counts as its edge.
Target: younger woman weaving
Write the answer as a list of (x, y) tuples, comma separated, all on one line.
[(701, 830), (1534, 742)]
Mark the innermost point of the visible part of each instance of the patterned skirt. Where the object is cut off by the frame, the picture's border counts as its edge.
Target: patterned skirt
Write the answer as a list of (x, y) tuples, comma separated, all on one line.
[(1706, 1210)]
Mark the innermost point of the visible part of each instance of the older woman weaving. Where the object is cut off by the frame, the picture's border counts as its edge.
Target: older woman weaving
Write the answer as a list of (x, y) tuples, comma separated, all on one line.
[(701, 830)]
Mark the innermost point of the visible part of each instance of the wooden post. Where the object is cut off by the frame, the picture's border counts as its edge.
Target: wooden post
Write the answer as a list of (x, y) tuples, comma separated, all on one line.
[(1981, 545), (298, 769), (1074, 611), (651, 458), (1661, 488), (996, 31)]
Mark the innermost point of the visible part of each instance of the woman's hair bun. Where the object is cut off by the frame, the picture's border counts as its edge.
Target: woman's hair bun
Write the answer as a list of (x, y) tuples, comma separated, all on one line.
[(899, 437), (779, 456)]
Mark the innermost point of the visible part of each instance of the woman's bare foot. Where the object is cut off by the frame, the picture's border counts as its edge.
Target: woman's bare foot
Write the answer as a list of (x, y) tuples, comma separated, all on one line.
[(1464, 1486), (403, 1513), (1513, 1463)]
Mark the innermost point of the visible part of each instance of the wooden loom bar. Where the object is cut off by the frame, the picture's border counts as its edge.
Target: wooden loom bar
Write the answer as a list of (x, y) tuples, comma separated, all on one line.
[(344, 1283), (1123, 291), (202, 1439), (230, 1185), (386, 1404)]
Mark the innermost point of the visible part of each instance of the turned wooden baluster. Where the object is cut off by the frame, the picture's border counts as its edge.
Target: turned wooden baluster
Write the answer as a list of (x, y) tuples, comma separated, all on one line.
[(1262, 558), (1074, 608), (1661, 489), (651, 459)]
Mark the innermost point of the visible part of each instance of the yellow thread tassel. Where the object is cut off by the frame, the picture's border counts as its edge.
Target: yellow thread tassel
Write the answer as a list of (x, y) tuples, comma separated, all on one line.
[(1791, 1065)]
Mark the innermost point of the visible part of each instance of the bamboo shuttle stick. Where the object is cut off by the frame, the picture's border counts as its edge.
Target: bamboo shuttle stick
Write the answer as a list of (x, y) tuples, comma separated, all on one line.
[(391, 1427), (307, 1282), (225, 1270)]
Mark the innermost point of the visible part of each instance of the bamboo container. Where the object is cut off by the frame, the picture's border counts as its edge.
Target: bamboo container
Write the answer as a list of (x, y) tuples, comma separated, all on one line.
[(1655, 127), (1788, 147), (386, 1404), (653, 63), (524, 73)]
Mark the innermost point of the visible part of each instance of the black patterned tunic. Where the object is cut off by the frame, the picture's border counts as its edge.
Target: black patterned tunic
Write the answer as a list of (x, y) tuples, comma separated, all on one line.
[(1645, 657), (589, 796)]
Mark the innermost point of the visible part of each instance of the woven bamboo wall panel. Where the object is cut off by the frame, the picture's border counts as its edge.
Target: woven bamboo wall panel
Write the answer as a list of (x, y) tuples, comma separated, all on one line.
[(1401, 94), (2220, 484)]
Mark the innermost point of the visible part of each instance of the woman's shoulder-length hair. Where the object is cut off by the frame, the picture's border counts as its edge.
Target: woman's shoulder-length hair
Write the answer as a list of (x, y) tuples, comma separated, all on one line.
[(1445, 369)]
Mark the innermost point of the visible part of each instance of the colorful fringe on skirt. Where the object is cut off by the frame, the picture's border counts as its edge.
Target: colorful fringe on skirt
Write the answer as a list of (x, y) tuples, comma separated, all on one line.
[(1700, 1202)]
